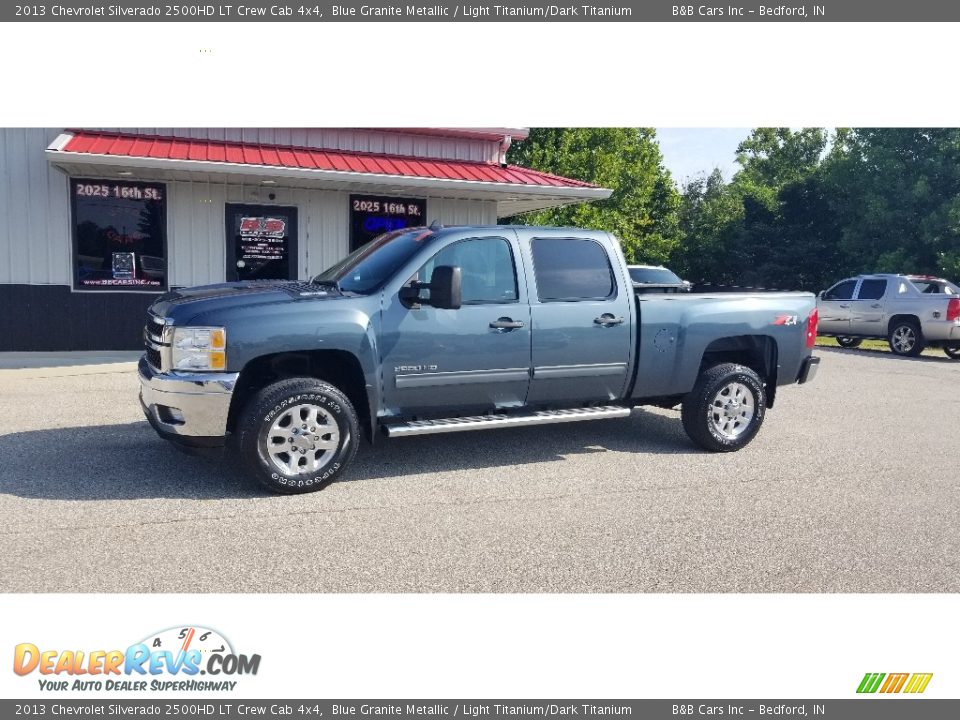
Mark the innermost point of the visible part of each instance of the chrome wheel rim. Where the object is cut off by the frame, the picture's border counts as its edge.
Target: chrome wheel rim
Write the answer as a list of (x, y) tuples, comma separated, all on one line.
[(904, 338), (732, 409), (302, 439)]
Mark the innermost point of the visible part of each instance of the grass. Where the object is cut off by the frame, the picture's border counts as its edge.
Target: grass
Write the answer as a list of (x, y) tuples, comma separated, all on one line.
[(875, 345)]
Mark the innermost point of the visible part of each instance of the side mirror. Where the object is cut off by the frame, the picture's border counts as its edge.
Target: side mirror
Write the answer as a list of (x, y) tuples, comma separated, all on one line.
[(445, 287)]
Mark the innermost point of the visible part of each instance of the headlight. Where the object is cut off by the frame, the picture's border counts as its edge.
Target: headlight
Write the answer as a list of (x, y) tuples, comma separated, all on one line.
[(199, 348)]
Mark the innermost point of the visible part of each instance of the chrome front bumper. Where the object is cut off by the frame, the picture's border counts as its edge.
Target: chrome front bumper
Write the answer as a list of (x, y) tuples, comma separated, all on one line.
[(186, 407)]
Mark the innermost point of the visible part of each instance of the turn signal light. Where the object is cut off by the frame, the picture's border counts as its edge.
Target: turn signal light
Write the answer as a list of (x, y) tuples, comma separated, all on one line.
[(813, 319)]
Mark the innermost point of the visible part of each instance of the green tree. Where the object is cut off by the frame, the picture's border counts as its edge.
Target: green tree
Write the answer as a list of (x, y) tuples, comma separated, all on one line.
[(643, 210), (772, 158), (897, 193), (710, 213)]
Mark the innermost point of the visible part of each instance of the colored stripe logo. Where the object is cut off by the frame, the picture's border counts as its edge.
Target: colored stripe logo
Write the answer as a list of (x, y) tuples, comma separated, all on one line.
[(913, 683)]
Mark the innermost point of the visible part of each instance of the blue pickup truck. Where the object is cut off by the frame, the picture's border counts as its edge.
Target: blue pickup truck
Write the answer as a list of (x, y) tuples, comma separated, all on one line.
[(434, 330)]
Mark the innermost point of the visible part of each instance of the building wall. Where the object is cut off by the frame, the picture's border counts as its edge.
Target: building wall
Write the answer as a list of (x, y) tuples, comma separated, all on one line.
[(34, 210), (196, 233), (35, 226), (36, 246)]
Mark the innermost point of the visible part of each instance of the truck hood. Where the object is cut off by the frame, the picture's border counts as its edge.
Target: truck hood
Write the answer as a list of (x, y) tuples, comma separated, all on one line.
[(186, 303)]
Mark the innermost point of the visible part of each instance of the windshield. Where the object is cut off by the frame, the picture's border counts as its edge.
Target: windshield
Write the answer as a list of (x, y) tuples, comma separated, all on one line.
[(367, 268), (654, 276), (935, 287)]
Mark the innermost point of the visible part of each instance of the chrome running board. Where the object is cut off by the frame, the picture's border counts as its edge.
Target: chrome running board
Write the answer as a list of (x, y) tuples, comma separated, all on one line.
[(492, 422)]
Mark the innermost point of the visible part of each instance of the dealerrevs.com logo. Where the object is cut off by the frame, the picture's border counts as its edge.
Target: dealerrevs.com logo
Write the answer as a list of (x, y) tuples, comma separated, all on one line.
[(172, 659)]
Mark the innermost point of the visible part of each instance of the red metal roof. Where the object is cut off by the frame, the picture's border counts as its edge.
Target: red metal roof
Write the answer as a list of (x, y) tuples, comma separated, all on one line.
[(175, 148)]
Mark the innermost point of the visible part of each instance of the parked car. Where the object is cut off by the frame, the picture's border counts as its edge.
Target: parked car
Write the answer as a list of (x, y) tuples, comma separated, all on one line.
[(435, 330), (656, 278), (911, 312)]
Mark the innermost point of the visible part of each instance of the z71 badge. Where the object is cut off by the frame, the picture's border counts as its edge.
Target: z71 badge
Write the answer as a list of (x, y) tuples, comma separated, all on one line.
[(785, 320)]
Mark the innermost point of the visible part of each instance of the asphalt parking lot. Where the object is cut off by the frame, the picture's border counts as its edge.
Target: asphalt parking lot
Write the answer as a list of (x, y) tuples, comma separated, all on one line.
[(851, 486)]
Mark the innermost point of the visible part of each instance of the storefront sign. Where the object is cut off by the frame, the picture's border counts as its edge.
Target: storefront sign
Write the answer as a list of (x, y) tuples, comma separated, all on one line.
[(371, 216), (261, 242)]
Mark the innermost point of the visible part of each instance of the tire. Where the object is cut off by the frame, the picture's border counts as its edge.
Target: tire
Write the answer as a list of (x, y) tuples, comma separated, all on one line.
[(848, 342), (271, 420), (723, 389), (952, 351), (906, 338)]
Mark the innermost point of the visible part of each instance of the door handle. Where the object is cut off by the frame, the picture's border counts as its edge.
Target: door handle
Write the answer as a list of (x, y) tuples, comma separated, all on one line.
[(505, 323), (607, 320), (845, 307), (876, 305)]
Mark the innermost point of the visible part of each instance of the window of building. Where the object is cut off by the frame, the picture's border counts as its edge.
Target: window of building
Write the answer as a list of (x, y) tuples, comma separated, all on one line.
[(572, 269), (487, 270), (119, 235)]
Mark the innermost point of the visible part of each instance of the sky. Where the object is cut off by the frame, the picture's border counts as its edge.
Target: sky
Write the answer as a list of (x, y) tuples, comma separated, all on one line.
[(688, 152)]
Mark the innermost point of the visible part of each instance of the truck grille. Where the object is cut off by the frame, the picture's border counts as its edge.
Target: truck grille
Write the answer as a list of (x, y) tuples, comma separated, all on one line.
[(153, 357), (153, 340), (154, 328)]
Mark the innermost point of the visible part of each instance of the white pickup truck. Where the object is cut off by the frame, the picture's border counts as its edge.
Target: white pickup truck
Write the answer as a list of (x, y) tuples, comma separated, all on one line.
[(911, 312)]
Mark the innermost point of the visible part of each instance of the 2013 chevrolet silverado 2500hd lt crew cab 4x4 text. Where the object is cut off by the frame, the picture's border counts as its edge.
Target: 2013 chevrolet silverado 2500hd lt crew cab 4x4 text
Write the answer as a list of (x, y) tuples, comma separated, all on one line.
[(433, 330)]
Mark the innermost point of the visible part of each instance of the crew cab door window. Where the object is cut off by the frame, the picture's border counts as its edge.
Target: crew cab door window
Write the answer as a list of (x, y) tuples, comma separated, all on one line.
[(487, 270), (841, 291), (570, 270), (872, 290)]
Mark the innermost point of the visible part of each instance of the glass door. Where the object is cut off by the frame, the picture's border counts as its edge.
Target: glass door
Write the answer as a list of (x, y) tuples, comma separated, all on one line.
[(261, 242)]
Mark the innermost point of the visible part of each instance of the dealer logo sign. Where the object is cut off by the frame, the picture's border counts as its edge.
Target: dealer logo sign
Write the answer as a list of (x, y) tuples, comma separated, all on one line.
[(911, 683), (186, 658)]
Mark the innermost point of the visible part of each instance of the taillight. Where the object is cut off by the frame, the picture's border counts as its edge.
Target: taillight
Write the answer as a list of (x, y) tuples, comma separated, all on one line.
[(813, 320), (953, 309)]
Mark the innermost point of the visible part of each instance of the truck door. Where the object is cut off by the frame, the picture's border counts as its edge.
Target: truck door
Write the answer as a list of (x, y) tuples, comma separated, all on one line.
[(581, 318), (470, 360), (834, 307), (867, 315)]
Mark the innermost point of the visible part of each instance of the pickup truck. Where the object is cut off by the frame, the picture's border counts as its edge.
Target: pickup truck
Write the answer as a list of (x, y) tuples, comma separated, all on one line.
[(434, 330), (910, 312)]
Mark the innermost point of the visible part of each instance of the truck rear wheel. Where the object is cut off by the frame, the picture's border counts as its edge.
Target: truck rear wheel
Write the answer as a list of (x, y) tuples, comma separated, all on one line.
[(848, 342), (906, 338), (297, 435), (725, 409)]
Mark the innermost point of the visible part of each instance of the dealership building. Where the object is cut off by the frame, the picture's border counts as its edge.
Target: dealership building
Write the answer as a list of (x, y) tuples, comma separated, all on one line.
[(95, 224)]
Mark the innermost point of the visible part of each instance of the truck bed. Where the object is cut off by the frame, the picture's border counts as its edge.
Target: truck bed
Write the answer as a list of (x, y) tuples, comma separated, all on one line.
[(676, 330)]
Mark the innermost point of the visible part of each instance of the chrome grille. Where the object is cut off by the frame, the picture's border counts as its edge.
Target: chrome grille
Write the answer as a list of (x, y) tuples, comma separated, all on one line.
[(153, 340), (154, 329), (153, 357)]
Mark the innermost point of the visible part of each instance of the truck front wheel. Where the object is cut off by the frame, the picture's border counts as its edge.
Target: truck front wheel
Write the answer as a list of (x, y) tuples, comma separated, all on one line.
[(297, 435), (725, 409)]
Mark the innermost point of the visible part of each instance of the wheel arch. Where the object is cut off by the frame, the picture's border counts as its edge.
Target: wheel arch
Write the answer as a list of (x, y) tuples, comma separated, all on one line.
[(340, 368), (760, 353), (900, 317)]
